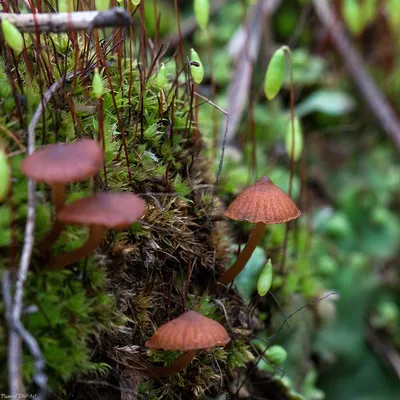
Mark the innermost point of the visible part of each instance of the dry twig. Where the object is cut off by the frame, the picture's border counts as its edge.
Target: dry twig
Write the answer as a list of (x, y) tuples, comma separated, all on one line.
[(65, 22), (356, 66)]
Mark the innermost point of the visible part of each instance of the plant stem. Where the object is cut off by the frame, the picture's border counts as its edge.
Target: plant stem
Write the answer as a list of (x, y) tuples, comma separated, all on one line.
[(91, 244), (244, 256), (58, 196), (161, 372)]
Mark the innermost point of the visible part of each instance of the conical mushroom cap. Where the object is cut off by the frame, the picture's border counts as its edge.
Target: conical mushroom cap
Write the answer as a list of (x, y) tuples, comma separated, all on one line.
[(190, 331), (111, 210), (64, 162), (263, 202)]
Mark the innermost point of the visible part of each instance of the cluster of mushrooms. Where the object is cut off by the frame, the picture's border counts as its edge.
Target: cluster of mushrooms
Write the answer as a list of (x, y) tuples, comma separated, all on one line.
[(58, 165)]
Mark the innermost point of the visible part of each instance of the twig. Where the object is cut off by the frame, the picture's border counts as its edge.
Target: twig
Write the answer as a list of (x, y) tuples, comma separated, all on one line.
[(249, 45), (355, 65), (16, 327), (65, 22)]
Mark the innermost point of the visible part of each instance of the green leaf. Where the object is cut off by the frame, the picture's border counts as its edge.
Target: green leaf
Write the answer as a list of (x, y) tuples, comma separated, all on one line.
[(329, 102)]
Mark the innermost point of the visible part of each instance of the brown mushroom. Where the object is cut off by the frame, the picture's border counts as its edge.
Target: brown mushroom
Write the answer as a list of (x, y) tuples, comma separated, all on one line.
[(100, 212), (189, 332), (60, 164), (262, 204)]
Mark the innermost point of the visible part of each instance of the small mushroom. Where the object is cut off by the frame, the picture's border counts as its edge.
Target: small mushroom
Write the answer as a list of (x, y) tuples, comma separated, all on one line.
[(63, 163), (100, 212), (189, 332), (60, 164), (262, 204)]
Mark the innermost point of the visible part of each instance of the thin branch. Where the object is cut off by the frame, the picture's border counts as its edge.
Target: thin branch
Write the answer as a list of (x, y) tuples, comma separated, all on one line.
[(249, 42), (16, 327), (356, 66), (65, 22)]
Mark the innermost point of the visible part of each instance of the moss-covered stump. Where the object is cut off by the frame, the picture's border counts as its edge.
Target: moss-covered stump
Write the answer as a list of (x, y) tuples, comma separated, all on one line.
[(90, 318)]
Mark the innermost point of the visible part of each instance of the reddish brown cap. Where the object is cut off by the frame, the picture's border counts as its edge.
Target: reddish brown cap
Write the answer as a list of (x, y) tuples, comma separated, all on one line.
[(190, 331), (111, 210), (64, 162), (263, 202)]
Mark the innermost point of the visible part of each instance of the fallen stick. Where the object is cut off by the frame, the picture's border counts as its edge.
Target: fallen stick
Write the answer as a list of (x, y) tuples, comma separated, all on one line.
[(65, 22), (355, 65)]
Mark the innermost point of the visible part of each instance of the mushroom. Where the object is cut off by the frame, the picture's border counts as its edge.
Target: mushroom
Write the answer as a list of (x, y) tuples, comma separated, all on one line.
[(60, 164), (100, 212), (262, 204), (189, 332)]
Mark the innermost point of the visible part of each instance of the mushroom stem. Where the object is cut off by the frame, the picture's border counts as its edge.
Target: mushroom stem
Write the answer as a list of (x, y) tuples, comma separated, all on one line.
[(94, 240), (244, 256), (160, 372), (58, 195), (51, 236)]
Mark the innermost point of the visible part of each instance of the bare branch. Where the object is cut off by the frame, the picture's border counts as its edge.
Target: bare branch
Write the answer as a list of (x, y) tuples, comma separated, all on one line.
[(64, 22), (355, 65), (249, 40), (16, 327)]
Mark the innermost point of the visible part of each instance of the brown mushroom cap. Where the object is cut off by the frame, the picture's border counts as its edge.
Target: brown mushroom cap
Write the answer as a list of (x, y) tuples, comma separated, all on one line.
[(190, 331), (64, 162), (111, 210), (263, 202)]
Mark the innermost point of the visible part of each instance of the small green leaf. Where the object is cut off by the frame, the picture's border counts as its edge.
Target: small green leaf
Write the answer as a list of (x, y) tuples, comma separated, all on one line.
[(102, 5), (202, 12), (4, 175), (97, 84), (196, 67), (12, 36), (161, 79), (329, 102), (136, 2), (296, 145), (274, 75), (265, 280)]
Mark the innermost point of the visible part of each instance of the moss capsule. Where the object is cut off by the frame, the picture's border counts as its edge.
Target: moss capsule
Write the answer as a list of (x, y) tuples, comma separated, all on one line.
[(97, 84), (265, 280), (353, 16), (196, 67), (12, 36), (4, 175), (274, 75), (202, 12), (161, 78), (298, 140)]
